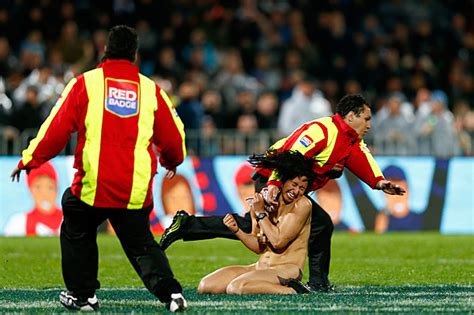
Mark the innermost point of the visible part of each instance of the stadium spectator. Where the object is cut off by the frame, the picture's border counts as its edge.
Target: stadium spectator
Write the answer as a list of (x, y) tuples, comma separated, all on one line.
[(6, 105), (8, 61), (108, 183), (246, 126), (231, 79), (70, 43), (265, 71), (189, 107), (435, 131), (461, 116), (394, 133), (199, 42), (31, 113), (32, 50), (392, 46), (246, 105), (167, 66), (211, 101), (333, 143), (280, 237), (209, 145), (267, 111), (306, 103), (47, 84)]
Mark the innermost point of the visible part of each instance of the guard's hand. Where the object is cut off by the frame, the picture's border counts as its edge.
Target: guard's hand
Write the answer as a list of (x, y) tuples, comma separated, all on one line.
[(230, 222), (170, 173), (258, 202), (270, 195), (15, 175), (389, 188)]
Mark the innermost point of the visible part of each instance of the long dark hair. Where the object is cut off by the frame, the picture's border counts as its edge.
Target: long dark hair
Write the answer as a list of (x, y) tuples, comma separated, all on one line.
[(287, 164)]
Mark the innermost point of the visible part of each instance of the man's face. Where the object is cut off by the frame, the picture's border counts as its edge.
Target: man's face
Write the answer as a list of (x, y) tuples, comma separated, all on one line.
[(360, 123), (294, 188)]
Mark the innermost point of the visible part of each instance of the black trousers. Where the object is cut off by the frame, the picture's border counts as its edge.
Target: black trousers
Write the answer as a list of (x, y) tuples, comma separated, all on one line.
[(80, 253), (319, 245)]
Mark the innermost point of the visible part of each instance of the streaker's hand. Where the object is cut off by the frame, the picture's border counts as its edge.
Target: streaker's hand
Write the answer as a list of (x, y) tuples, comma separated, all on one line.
[(389, 188), (230, 222), (170, 173), (270, 195), (15, 175)]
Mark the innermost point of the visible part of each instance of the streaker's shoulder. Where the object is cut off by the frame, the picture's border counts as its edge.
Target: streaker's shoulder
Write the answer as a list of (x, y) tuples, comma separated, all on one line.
[(304, 204)]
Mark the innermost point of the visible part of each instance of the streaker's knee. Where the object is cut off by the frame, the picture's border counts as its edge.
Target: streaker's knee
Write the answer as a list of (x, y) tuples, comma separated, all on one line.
[(202, 287), (208, 287)]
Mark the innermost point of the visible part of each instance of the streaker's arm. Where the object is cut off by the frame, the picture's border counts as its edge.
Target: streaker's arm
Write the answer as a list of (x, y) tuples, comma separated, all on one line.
[(248, 239)]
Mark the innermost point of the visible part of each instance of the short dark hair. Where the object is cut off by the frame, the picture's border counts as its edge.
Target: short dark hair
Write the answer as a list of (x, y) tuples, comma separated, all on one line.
[(287, 164), (122, 43), (351, 102)]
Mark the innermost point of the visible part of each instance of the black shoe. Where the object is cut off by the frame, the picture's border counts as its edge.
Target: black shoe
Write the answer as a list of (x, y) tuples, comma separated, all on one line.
[(299, 286), (178, 303), (324, 287), (174, 231), (68, 300)]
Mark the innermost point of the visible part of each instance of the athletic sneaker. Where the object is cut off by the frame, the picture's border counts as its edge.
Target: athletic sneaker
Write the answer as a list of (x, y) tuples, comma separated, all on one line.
[(174, 232), (325, 287), (71, 302), (178, 303), (299, 286)]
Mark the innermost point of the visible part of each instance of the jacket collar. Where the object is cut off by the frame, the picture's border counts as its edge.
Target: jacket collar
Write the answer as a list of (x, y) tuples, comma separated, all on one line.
[(115, 62), (347, 130)]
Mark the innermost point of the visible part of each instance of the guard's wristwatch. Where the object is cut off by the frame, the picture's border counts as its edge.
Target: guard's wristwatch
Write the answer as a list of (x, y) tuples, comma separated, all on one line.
[(261, 216)]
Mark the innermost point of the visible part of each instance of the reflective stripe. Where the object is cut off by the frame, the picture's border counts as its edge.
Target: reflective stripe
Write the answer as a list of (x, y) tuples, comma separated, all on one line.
[(142, 160), (177, 121), (324, 156), (278, 144), (27, 154), (93, 122), (373, 165), (314, 134)]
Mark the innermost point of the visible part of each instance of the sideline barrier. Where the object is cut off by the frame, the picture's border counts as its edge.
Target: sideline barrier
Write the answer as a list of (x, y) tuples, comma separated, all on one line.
[(440, 195)]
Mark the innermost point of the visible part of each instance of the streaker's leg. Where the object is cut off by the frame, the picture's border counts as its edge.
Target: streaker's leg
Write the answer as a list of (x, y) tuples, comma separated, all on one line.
[(217, 281), (267, 281)]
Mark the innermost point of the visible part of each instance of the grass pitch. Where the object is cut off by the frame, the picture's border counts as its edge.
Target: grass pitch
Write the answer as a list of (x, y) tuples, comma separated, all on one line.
[(401, 273)]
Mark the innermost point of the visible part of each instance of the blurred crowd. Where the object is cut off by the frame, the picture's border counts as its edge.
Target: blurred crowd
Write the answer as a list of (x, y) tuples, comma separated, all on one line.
[(253, 66)]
